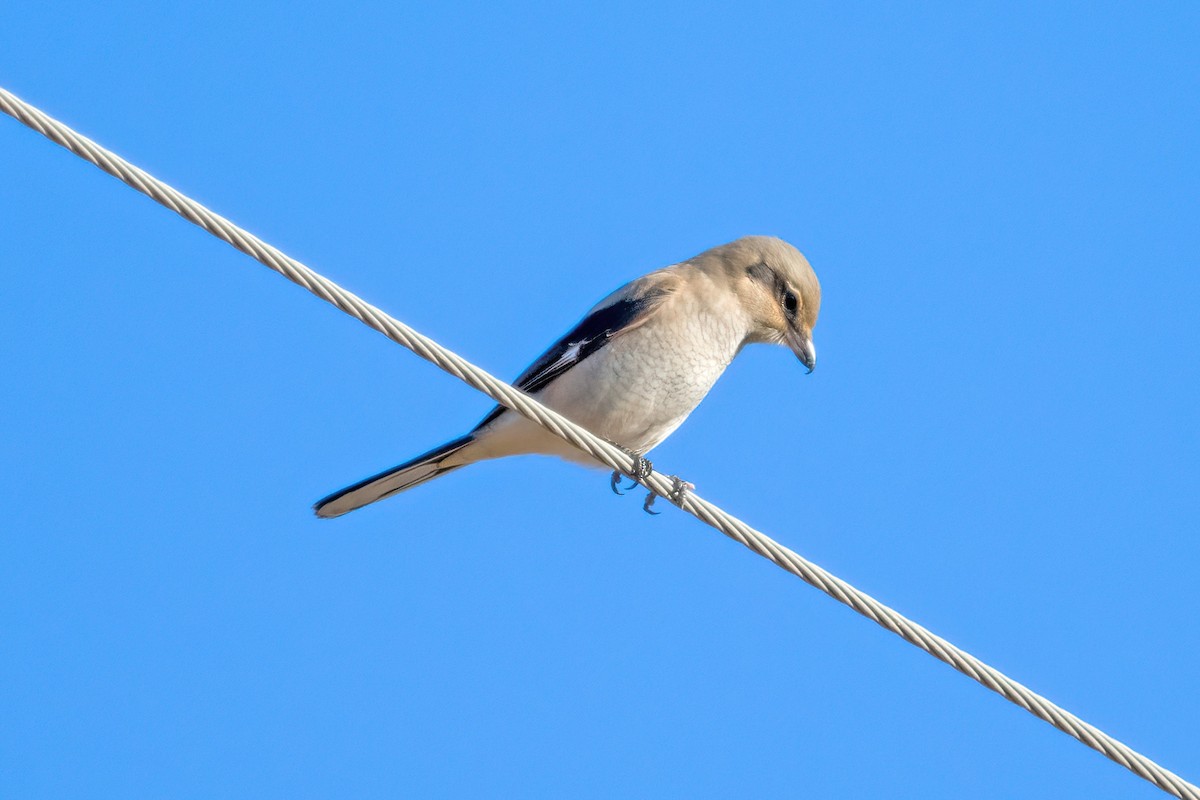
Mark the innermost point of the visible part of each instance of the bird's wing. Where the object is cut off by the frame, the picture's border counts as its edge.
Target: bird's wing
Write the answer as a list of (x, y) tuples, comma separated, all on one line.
[(628, 308)]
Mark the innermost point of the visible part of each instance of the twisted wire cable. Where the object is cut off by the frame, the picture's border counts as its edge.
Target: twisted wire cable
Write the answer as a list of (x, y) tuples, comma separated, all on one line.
[(602, 450)]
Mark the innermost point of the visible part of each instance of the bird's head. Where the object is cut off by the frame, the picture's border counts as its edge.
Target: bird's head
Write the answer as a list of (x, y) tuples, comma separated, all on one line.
[(777, 289)]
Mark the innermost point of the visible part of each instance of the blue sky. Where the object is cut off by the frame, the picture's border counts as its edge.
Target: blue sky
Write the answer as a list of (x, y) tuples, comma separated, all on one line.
[(1001, 439)]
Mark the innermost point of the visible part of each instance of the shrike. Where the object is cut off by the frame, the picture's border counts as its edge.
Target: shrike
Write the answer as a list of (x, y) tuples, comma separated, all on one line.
[(640, 361)]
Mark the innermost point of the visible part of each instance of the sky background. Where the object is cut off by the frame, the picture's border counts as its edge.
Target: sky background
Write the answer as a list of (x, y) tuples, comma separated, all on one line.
[(1001, 439)]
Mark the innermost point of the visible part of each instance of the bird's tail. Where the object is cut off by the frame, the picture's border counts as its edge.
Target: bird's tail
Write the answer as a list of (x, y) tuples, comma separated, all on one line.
[(423, 468)]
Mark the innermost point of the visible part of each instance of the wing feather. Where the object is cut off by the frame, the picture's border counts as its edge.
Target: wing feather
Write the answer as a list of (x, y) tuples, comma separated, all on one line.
[(621, 312)]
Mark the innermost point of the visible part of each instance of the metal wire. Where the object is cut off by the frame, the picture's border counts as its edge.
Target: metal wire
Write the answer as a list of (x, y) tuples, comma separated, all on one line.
[(603, 451)]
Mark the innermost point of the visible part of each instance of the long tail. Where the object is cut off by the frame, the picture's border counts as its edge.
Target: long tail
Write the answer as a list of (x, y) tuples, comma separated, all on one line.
[(423, 468)]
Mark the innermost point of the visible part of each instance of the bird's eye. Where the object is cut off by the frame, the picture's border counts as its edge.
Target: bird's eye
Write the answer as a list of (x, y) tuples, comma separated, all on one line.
[(790, 303)]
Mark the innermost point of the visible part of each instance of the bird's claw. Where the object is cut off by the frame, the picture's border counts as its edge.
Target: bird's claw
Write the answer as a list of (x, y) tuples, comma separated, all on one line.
[(641, 470), (679, 488)]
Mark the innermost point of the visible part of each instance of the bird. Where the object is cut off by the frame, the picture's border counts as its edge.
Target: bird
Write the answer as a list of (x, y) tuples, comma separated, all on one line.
[(637, 364)]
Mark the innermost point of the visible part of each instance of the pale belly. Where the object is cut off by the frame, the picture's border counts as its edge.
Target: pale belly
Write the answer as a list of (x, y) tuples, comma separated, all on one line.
[(634, 392)]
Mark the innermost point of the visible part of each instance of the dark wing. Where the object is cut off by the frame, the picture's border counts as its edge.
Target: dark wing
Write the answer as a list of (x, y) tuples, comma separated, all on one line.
[(592, 333)]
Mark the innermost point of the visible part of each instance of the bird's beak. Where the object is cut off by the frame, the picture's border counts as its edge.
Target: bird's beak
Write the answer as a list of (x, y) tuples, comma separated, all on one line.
[(802, 345)]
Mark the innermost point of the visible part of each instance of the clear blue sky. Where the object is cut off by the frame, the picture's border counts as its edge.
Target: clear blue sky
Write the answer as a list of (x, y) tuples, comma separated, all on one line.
[(1001, 439)]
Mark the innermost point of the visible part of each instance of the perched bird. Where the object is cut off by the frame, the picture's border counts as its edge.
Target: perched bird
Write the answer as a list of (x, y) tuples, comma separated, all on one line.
[(640, 361)]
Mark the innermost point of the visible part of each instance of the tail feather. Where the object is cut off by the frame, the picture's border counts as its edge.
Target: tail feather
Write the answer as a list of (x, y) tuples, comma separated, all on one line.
[(423, 468)]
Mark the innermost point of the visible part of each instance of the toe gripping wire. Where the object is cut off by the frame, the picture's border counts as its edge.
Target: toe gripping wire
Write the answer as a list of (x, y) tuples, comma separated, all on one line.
[(643, 469)]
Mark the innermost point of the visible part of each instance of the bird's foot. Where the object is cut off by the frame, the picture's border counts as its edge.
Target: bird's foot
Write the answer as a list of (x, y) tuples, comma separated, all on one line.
[(679, 488), (641, 470), (614, 482)]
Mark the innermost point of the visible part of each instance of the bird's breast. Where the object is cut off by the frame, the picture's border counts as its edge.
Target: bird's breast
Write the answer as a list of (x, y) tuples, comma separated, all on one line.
[(638, 388)]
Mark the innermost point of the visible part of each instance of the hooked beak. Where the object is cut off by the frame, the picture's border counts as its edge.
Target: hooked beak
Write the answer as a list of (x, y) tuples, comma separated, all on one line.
[(802, 345)]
